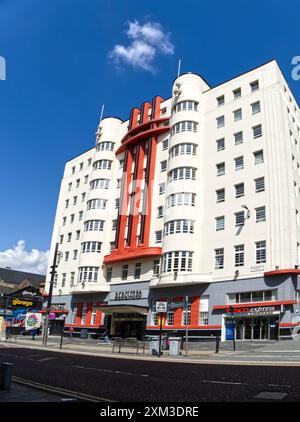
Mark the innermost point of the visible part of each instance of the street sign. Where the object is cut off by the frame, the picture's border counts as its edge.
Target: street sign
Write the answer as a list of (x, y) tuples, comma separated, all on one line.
[(161, 306), (174, 305)]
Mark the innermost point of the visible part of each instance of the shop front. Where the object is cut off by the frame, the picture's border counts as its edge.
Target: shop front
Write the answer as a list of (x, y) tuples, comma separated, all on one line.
[(126, 308), (252, 323)]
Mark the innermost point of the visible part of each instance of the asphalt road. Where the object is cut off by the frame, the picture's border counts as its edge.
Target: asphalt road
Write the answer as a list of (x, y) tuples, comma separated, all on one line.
[(126, 380)]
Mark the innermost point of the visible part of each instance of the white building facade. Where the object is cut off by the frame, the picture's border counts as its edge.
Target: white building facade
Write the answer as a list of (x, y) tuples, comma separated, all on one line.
[(195, 198)]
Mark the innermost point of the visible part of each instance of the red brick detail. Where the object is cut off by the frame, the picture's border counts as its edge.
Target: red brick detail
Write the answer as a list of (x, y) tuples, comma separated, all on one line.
[(178, 317), (195, 311)]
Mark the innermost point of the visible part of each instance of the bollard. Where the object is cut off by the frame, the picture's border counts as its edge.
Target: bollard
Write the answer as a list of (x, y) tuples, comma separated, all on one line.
[(217, 344), (5, 375)]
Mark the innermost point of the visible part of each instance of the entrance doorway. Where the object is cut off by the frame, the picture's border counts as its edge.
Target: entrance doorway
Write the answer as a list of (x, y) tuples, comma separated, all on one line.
[(128, 325), (258, 328)]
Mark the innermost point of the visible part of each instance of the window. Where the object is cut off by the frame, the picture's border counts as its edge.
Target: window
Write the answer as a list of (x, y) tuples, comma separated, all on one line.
[(74, 200), (70, 187), (177, 261), (170, 318), (260, 184), (77, 183), (221, 100), (73, 169), (220, 121), (83, 315), (260, 213), (239, 218), (256, 296), (89, 162), (67, 203), (163, 111), (237, 115), (179, 226), (255, 107), (80, 166), (137, 271), (93, 316), (63, 279), (238, 138), (181, 198), (108, 274), (180, 173), (220, 169), (80, 215), (183, 149), (91, 247), (72, 279), (160, 212), (239, 163), (105, 146), (258, 157), (204, 308), (239, 190), (99, 184), (112, 246), (219, 258), (185, 126), (88, 274), (86, 178), (83, 197), (220, 223), (75, 254), (239, 256), (186, 105), (102, 165), (117, 203), (156, 267), (55, 280), (124, 272), (114, 224), (158, 236), (97, 204), (64, 221), (261, 252), (237, 93), (186, 315), (69, 237), (163, 165), (162, 188), (220, 195), (257, 131), (67, 256), (254, 86), (220, 144), (72, 218), (165, 144)]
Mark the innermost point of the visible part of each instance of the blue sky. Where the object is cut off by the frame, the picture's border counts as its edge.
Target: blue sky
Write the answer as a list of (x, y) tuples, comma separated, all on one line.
[(59, 74)]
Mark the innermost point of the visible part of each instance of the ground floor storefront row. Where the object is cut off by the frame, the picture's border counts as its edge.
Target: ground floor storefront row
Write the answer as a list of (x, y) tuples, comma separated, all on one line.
[(265, 308)]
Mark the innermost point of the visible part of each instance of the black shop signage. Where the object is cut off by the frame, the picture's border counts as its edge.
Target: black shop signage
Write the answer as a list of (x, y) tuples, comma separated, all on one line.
[(128, 295), (22, 302)]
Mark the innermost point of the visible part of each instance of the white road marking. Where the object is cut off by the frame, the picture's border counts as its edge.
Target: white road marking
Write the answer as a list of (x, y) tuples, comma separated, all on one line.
[(45, 359), (110, 371), (245, 383)]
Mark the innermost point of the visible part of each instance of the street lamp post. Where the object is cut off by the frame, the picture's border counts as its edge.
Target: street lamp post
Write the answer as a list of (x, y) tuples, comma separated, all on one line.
[(53, 272)]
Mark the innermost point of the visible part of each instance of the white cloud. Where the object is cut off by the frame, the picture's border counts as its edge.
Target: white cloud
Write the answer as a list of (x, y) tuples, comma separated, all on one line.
[(18, 258), (147, 41)]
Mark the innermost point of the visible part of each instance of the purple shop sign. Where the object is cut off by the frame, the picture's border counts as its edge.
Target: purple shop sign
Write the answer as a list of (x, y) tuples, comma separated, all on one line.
[(52, 315)]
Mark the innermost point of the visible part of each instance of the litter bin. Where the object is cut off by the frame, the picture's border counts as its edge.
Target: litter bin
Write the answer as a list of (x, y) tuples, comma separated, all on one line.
[(154, 345), (175, 346), (84, 333)]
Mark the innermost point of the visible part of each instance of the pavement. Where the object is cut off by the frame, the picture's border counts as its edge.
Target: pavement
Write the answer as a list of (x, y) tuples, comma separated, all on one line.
[(284, 352)]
